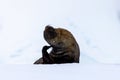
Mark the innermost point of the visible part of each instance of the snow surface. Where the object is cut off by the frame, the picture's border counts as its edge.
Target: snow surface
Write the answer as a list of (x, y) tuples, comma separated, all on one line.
[(60, 72), (94, 23)]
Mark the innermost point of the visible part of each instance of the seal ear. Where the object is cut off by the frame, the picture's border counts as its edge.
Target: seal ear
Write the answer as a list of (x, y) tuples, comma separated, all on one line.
[(49, 32)]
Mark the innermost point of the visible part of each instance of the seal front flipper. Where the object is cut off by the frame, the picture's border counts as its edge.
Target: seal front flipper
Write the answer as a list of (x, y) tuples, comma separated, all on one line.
[(46, 56)]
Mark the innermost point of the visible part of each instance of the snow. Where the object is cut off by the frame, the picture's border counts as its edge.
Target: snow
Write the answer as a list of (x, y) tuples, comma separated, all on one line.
[(60, 72), (94, 23)]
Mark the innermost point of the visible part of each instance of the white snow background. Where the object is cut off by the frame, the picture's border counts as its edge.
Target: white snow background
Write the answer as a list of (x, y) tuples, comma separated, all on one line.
[(94, 23)]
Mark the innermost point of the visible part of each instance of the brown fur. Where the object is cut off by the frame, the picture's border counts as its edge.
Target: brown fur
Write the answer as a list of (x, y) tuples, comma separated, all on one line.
[(65, 48)]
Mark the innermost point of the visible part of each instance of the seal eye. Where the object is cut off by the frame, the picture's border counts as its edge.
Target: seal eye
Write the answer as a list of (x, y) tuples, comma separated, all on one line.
[(53, 41)]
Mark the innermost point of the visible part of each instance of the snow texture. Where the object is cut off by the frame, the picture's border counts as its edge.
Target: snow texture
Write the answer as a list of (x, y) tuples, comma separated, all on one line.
[(60, 72), (94, 23)]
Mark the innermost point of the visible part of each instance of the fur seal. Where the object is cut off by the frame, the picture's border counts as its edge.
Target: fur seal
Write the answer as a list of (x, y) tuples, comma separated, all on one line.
[(65, 48)]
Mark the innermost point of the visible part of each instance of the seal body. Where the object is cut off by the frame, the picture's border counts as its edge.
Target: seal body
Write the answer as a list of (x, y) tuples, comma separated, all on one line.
[(65, 49)]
